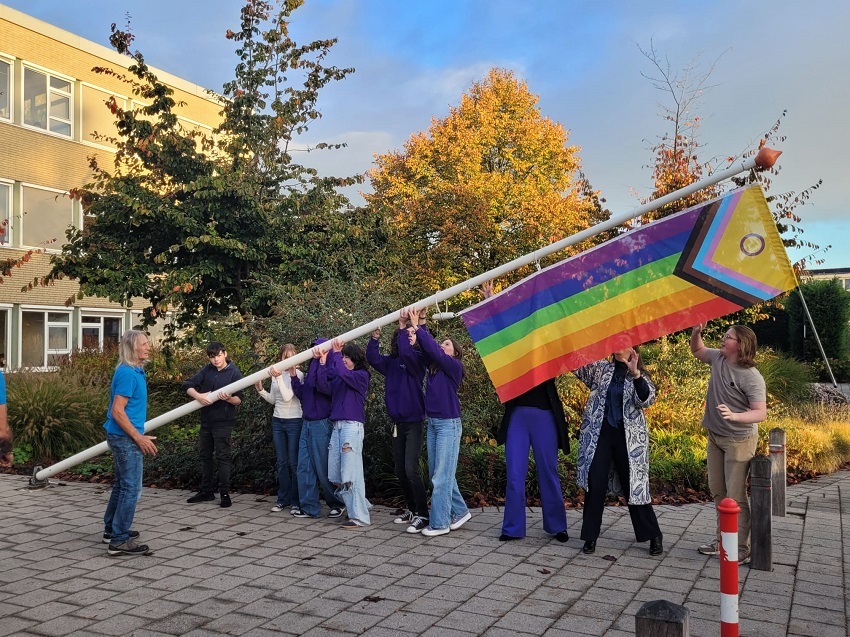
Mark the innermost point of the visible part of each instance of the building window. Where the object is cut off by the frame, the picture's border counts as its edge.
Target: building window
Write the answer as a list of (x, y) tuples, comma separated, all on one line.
[(47, 102), (847, 284), (100, 332), (5, 90), (46, 216), (98, 120), (4, 337), (5, 213), (45, 338)]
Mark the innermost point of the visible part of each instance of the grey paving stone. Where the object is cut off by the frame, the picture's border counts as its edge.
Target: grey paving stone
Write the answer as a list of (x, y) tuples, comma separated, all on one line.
[(15, 625), (61, 625)]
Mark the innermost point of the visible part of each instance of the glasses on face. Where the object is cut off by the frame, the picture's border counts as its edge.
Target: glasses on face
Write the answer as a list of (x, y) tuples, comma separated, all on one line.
[(729, 338)]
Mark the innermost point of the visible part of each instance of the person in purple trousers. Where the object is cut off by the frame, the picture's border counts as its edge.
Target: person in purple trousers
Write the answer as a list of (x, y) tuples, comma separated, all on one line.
[(533, 420)]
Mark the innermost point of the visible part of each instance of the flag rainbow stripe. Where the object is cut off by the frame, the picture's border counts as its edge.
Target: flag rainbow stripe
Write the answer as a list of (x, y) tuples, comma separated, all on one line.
[(654, 280)]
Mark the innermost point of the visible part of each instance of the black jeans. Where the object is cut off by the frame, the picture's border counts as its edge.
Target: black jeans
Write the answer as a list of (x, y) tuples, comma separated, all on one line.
[(612, 448), (215, 456), (407, 447)]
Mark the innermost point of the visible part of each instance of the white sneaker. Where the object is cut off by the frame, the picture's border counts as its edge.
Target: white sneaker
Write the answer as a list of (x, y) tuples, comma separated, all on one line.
[(277, 508), (404, 518), (430, 532), (459, 522)]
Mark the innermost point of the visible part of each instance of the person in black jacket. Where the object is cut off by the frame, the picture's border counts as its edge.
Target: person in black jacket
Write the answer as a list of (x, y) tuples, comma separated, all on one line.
[(534, 420), (218, 417)]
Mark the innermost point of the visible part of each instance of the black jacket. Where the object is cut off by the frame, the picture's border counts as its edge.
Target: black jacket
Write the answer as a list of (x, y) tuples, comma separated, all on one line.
[(555, 406), (209, 379)]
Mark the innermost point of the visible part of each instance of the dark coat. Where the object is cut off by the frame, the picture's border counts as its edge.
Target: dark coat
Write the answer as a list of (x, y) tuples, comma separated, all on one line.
[(555, 406)]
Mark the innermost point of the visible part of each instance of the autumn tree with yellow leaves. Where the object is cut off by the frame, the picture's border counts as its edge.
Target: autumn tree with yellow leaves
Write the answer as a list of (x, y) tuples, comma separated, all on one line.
[(491, 181)]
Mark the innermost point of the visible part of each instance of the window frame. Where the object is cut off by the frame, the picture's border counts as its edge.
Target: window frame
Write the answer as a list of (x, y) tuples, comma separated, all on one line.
[(10, 60), (84, 136), (23, 222), (46, 310), (100, 314), (25, 66), (7, 240)]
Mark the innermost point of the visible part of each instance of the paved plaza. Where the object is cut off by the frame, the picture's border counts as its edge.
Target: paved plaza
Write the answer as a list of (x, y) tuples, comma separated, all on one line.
[(247, 571)]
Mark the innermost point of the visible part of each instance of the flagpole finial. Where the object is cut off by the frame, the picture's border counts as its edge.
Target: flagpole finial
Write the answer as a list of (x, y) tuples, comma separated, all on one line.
[(766, 157)]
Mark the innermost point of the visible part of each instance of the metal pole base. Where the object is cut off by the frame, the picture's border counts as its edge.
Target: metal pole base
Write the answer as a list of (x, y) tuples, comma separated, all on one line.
[(35, 483)]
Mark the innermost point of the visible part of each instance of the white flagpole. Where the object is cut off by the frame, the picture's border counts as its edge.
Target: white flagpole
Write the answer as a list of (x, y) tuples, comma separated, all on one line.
[(763, 160)]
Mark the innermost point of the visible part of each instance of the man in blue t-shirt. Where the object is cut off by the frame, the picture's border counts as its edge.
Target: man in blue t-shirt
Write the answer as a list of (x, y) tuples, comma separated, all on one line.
[(6, 446), (125, 435)]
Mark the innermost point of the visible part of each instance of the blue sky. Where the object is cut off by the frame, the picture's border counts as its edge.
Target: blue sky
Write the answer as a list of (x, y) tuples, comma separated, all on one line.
[(413, 60)]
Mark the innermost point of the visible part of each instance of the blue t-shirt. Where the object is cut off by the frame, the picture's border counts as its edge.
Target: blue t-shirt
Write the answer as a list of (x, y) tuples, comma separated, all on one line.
[(2, 389), (131, 383)]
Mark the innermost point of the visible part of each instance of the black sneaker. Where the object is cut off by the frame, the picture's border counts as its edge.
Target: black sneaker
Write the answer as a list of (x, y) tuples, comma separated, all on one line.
[(300, 514), (107, 537), (404, 518), (417, 524), (336, 512), (128, 548), (225, 500), (201, 496)]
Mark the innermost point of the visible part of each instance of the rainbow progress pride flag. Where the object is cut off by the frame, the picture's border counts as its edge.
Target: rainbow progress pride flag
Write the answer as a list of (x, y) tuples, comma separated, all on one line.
[(694, 266)]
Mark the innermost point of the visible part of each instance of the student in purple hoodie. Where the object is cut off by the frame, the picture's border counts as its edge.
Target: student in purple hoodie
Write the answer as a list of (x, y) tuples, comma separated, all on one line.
[(314, 392), (445, 371), (406, 407), (349, 378)]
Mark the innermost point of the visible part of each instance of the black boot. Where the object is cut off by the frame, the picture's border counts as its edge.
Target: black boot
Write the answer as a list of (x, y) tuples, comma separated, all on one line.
[(655, 545)]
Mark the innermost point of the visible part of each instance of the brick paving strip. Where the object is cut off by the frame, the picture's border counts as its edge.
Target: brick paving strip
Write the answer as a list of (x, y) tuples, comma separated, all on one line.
[(247, 571)]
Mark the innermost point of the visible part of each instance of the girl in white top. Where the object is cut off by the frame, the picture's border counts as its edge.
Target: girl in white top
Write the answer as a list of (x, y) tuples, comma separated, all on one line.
[(286, 430)]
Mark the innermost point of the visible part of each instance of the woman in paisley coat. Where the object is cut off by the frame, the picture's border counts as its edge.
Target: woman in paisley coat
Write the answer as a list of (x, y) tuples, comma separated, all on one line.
[(614, 445)]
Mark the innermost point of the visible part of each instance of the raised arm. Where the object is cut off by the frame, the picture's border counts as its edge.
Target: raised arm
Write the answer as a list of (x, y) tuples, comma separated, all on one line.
[(698, 348)]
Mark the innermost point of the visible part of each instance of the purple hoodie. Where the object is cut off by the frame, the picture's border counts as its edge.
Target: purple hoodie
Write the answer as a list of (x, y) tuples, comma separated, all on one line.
[(404, 377), (314, 391), (441, 387), (348, 391)]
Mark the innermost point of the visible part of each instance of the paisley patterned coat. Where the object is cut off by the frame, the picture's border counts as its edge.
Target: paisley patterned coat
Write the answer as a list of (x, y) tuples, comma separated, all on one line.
[(597, 377)]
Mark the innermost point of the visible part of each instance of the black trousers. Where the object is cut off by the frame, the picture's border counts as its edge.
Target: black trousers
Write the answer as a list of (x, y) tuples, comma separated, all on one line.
[(215, 456), (612, 448), (407, 447)]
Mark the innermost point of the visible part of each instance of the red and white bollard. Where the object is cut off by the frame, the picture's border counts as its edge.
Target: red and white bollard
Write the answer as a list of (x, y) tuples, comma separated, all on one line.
[(728, 510)]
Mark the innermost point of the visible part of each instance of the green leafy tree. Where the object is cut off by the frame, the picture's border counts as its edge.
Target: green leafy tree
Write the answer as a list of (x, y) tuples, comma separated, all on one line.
[(187, 229)]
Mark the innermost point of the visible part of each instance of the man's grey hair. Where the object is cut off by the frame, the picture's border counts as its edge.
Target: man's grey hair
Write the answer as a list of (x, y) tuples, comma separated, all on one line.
[(127, 347)]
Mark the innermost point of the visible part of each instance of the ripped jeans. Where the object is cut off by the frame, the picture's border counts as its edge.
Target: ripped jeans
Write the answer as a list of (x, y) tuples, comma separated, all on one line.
[(345, 468)]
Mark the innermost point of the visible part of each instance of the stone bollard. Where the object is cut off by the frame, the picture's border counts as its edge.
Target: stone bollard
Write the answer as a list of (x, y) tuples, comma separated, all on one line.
[(662, 619), (761, 538), (778, 478)]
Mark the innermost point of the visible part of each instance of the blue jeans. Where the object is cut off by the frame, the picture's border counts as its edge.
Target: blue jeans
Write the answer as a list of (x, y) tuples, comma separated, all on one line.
[(345, 468), (126, 488), (313, 467), (443, 448), (286, 434)]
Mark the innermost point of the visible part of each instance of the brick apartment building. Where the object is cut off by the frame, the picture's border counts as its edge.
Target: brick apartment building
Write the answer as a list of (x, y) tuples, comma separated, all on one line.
[(51, 105)]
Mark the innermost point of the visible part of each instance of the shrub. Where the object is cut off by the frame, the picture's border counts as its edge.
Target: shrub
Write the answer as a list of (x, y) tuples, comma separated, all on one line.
[(54, 415), (787, 379), (840, 370), (829, 305)]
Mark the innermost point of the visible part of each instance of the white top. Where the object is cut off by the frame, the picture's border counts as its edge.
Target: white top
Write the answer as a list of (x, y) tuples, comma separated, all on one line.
[(286, 403)]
